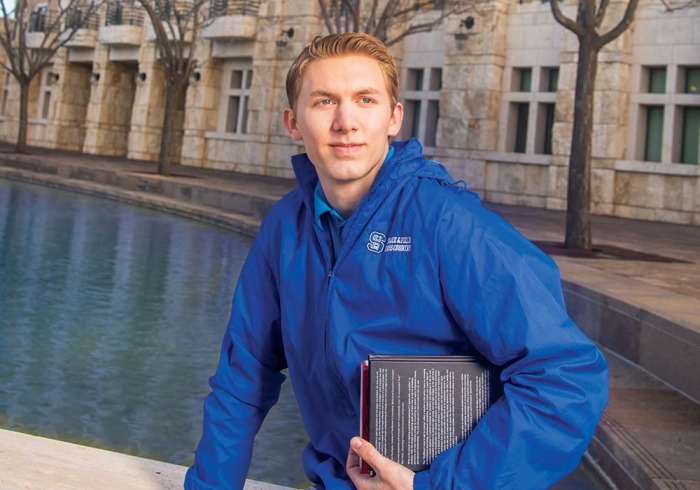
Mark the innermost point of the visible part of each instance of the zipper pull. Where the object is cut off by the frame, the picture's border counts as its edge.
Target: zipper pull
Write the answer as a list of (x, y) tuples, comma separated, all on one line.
[(330, 273)]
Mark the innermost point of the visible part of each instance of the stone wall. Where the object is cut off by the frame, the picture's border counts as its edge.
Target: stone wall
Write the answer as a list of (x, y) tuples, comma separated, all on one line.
[(478, 102)]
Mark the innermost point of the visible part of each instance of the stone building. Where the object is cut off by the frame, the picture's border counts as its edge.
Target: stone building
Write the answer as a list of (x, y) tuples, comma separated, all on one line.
[(489, 93)]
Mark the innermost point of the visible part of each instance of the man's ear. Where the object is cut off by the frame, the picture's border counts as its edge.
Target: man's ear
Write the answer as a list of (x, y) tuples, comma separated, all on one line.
[(290, 122), (396, 120)]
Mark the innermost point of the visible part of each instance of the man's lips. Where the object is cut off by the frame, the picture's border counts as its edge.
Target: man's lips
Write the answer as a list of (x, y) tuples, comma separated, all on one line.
[(345, 147)]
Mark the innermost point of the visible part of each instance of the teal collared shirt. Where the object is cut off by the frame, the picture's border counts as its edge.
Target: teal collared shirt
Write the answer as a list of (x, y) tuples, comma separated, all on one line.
[(323, 212)]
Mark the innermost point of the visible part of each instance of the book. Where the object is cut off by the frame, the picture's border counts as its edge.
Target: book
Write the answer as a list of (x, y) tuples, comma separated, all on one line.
[(415, 407)]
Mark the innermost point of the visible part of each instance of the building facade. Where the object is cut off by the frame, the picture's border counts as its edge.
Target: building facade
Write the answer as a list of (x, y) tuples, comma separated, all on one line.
[(489, 93)]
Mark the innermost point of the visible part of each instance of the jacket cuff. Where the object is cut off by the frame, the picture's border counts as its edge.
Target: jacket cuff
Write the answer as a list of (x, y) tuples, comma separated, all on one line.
[(421, 480)]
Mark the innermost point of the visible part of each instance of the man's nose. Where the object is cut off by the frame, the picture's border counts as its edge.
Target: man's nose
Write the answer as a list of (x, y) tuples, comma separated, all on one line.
[(345, 119)]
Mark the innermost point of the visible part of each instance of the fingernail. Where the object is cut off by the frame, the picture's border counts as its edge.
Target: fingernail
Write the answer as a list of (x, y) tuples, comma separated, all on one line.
[(356, 442)]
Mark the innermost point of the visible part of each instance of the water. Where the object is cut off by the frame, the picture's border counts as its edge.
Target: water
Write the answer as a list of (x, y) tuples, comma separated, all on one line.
[(111, 319)]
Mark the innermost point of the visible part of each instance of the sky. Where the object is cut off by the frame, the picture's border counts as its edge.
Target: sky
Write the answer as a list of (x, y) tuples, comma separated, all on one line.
[(9, 5)]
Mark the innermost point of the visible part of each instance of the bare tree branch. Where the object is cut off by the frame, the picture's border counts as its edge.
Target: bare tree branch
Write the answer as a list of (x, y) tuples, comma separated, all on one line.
[(385, 18), (372, 16), (671, 8), (325, 16), (600, 14), (565, 21), (620, 27), (414, 29), (353, 9), (586, 15)]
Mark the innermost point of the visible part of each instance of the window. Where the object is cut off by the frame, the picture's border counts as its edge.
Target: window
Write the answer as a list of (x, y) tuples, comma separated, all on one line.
[(235, 92), (522, 111), (531, 109), (691, 130), (692, 80), (653, 114), (422, 104), (691, 117), (657, 80), (545, 124), (653, 133), (38, 19), (550, 80), (522, 79), (5, 93), (667, 107), (48, 79)]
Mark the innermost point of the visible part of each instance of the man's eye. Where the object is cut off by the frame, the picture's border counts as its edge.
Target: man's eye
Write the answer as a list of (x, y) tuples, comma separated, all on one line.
[(366, 100), (325, 102)]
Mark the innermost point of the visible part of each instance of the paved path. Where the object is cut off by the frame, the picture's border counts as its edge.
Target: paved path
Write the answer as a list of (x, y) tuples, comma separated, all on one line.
[(639, 297)]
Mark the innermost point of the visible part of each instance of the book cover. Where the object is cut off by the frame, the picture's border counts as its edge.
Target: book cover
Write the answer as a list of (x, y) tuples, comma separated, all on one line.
[(415, 407)]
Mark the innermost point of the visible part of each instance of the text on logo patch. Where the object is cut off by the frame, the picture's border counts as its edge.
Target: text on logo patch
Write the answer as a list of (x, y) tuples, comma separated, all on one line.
[(379, 242)]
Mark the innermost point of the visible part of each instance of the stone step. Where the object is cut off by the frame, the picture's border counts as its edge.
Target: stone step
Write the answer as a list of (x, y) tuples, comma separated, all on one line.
[(649, 435)]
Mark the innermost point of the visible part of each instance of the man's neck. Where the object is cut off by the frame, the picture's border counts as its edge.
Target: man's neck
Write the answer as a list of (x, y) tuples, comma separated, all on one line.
[(345, 197)]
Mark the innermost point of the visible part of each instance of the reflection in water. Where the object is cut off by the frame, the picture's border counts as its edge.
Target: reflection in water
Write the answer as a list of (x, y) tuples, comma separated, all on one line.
[(111, 319)]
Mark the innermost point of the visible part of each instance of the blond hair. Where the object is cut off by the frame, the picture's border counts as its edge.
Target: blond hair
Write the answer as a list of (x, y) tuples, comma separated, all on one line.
[(335, 45)]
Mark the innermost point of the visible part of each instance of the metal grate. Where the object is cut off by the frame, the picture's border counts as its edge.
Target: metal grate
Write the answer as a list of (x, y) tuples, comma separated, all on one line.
[(75, 19), (218, 8), (41, 20), (123, 13)]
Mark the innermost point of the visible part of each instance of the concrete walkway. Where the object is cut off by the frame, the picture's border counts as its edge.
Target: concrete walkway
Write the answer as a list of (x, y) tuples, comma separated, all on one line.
[(638, 297)]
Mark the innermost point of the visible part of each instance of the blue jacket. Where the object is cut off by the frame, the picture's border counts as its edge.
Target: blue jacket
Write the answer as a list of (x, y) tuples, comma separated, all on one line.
[(424, 269)]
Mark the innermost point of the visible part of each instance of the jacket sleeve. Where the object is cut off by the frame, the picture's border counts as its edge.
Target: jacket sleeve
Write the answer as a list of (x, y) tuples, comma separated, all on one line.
[(246, 383), (506, 296)]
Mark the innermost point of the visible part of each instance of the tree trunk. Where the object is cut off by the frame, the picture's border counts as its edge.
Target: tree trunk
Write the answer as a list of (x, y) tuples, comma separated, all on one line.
[(21, 146), (578, 212), (165, 136)]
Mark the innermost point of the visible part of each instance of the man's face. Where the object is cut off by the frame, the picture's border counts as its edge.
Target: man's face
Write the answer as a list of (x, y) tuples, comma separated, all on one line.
[(343, 115)]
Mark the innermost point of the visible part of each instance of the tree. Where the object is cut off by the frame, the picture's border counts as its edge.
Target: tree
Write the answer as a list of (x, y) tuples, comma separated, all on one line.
[(378, 17), (30, 39), (176, 24), (588, 21)]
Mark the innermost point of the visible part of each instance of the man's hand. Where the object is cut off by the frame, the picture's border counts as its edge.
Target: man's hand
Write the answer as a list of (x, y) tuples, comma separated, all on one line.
[(389, 475)]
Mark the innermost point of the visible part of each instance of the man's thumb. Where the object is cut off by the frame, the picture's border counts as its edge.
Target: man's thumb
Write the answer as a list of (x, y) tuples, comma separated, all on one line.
[(366, 451)]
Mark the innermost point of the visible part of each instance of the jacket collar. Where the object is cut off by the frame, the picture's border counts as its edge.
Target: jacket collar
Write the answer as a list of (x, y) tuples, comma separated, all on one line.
[(407, 160)]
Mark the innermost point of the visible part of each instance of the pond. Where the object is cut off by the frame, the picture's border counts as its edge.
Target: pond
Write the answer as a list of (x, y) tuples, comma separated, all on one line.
[(111, 319)]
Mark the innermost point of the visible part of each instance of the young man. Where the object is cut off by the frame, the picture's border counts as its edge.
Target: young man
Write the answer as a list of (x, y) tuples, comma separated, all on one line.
[(326, 284)]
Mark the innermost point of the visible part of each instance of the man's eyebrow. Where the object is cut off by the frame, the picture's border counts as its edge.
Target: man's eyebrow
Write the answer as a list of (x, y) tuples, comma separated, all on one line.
[(325, 93), (322, 93)]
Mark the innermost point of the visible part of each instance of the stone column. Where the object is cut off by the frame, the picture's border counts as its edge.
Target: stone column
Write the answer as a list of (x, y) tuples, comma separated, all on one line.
[(108, 117), (471, 93), (270, 64), (148, 107), (66, 129), (202, 107)]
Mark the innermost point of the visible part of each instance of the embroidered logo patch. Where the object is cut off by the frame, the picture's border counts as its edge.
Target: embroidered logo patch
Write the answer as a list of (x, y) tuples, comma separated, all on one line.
[(376, 242), (379, 242)]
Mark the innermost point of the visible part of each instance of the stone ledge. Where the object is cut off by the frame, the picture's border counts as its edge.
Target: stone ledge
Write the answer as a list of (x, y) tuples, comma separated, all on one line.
[(246, 225), (32, 462), (663, 339)]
